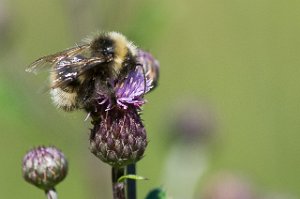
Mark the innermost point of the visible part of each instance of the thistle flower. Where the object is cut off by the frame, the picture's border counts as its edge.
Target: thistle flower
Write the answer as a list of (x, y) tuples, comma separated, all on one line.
[(44, 167), (118, 136)]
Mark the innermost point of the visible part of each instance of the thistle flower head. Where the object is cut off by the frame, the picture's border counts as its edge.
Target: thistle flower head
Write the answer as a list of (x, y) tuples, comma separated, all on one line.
[(44, 167), (118, 136)]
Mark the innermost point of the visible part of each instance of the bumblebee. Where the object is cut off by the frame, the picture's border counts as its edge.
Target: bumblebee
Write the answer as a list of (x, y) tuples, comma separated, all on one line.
[(75, 72)]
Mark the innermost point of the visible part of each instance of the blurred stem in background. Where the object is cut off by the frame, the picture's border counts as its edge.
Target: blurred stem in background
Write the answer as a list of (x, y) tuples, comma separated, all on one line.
[(192, 127), (184, 166)]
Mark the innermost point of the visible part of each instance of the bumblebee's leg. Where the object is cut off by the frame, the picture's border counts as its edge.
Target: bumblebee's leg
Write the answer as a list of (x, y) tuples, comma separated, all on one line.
[(111, 91), (144, 74)]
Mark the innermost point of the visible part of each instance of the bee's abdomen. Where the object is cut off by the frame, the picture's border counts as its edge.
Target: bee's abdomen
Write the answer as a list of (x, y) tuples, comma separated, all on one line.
[(64, 100)]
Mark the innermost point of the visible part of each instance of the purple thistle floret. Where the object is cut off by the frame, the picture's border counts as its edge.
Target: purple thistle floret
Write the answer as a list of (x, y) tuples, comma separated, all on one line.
[(118, 136), (132, 90), (128, 92)]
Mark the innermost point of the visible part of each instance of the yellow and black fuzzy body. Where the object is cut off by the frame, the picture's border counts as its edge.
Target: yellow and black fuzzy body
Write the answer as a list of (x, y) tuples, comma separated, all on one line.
[(75, 72)]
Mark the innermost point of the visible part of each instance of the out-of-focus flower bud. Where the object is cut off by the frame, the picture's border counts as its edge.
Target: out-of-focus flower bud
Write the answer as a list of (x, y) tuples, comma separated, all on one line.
[(228, 186)]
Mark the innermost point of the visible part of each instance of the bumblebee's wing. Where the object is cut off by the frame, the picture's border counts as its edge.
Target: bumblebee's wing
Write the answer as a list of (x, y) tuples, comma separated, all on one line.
[(50, 60), (69, 69)]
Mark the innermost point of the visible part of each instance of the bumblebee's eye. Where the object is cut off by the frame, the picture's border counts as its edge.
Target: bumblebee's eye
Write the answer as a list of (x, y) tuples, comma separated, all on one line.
[(107, 51)]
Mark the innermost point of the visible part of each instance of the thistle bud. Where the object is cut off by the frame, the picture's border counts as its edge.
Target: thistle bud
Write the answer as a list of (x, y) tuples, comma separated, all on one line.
[(119, 137), (44, 167)]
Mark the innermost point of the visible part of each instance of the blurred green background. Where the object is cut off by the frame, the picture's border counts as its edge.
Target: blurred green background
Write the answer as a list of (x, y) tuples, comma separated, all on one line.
[(240, 56)]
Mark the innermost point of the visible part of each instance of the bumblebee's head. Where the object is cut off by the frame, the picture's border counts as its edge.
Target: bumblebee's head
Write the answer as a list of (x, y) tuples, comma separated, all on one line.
[(113, 46), (103, 46)]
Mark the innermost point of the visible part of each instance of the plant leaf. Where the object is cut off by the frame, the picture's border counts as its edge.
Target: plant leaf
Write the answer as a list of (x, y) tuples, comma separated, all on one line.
[(132, 177), (157, 193)]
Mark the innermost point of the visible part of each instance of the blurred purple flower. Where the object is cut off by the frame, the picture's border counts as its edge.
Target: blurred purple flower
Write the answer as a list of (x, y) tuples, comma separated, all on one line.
[(193, 121), (228, 186)]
